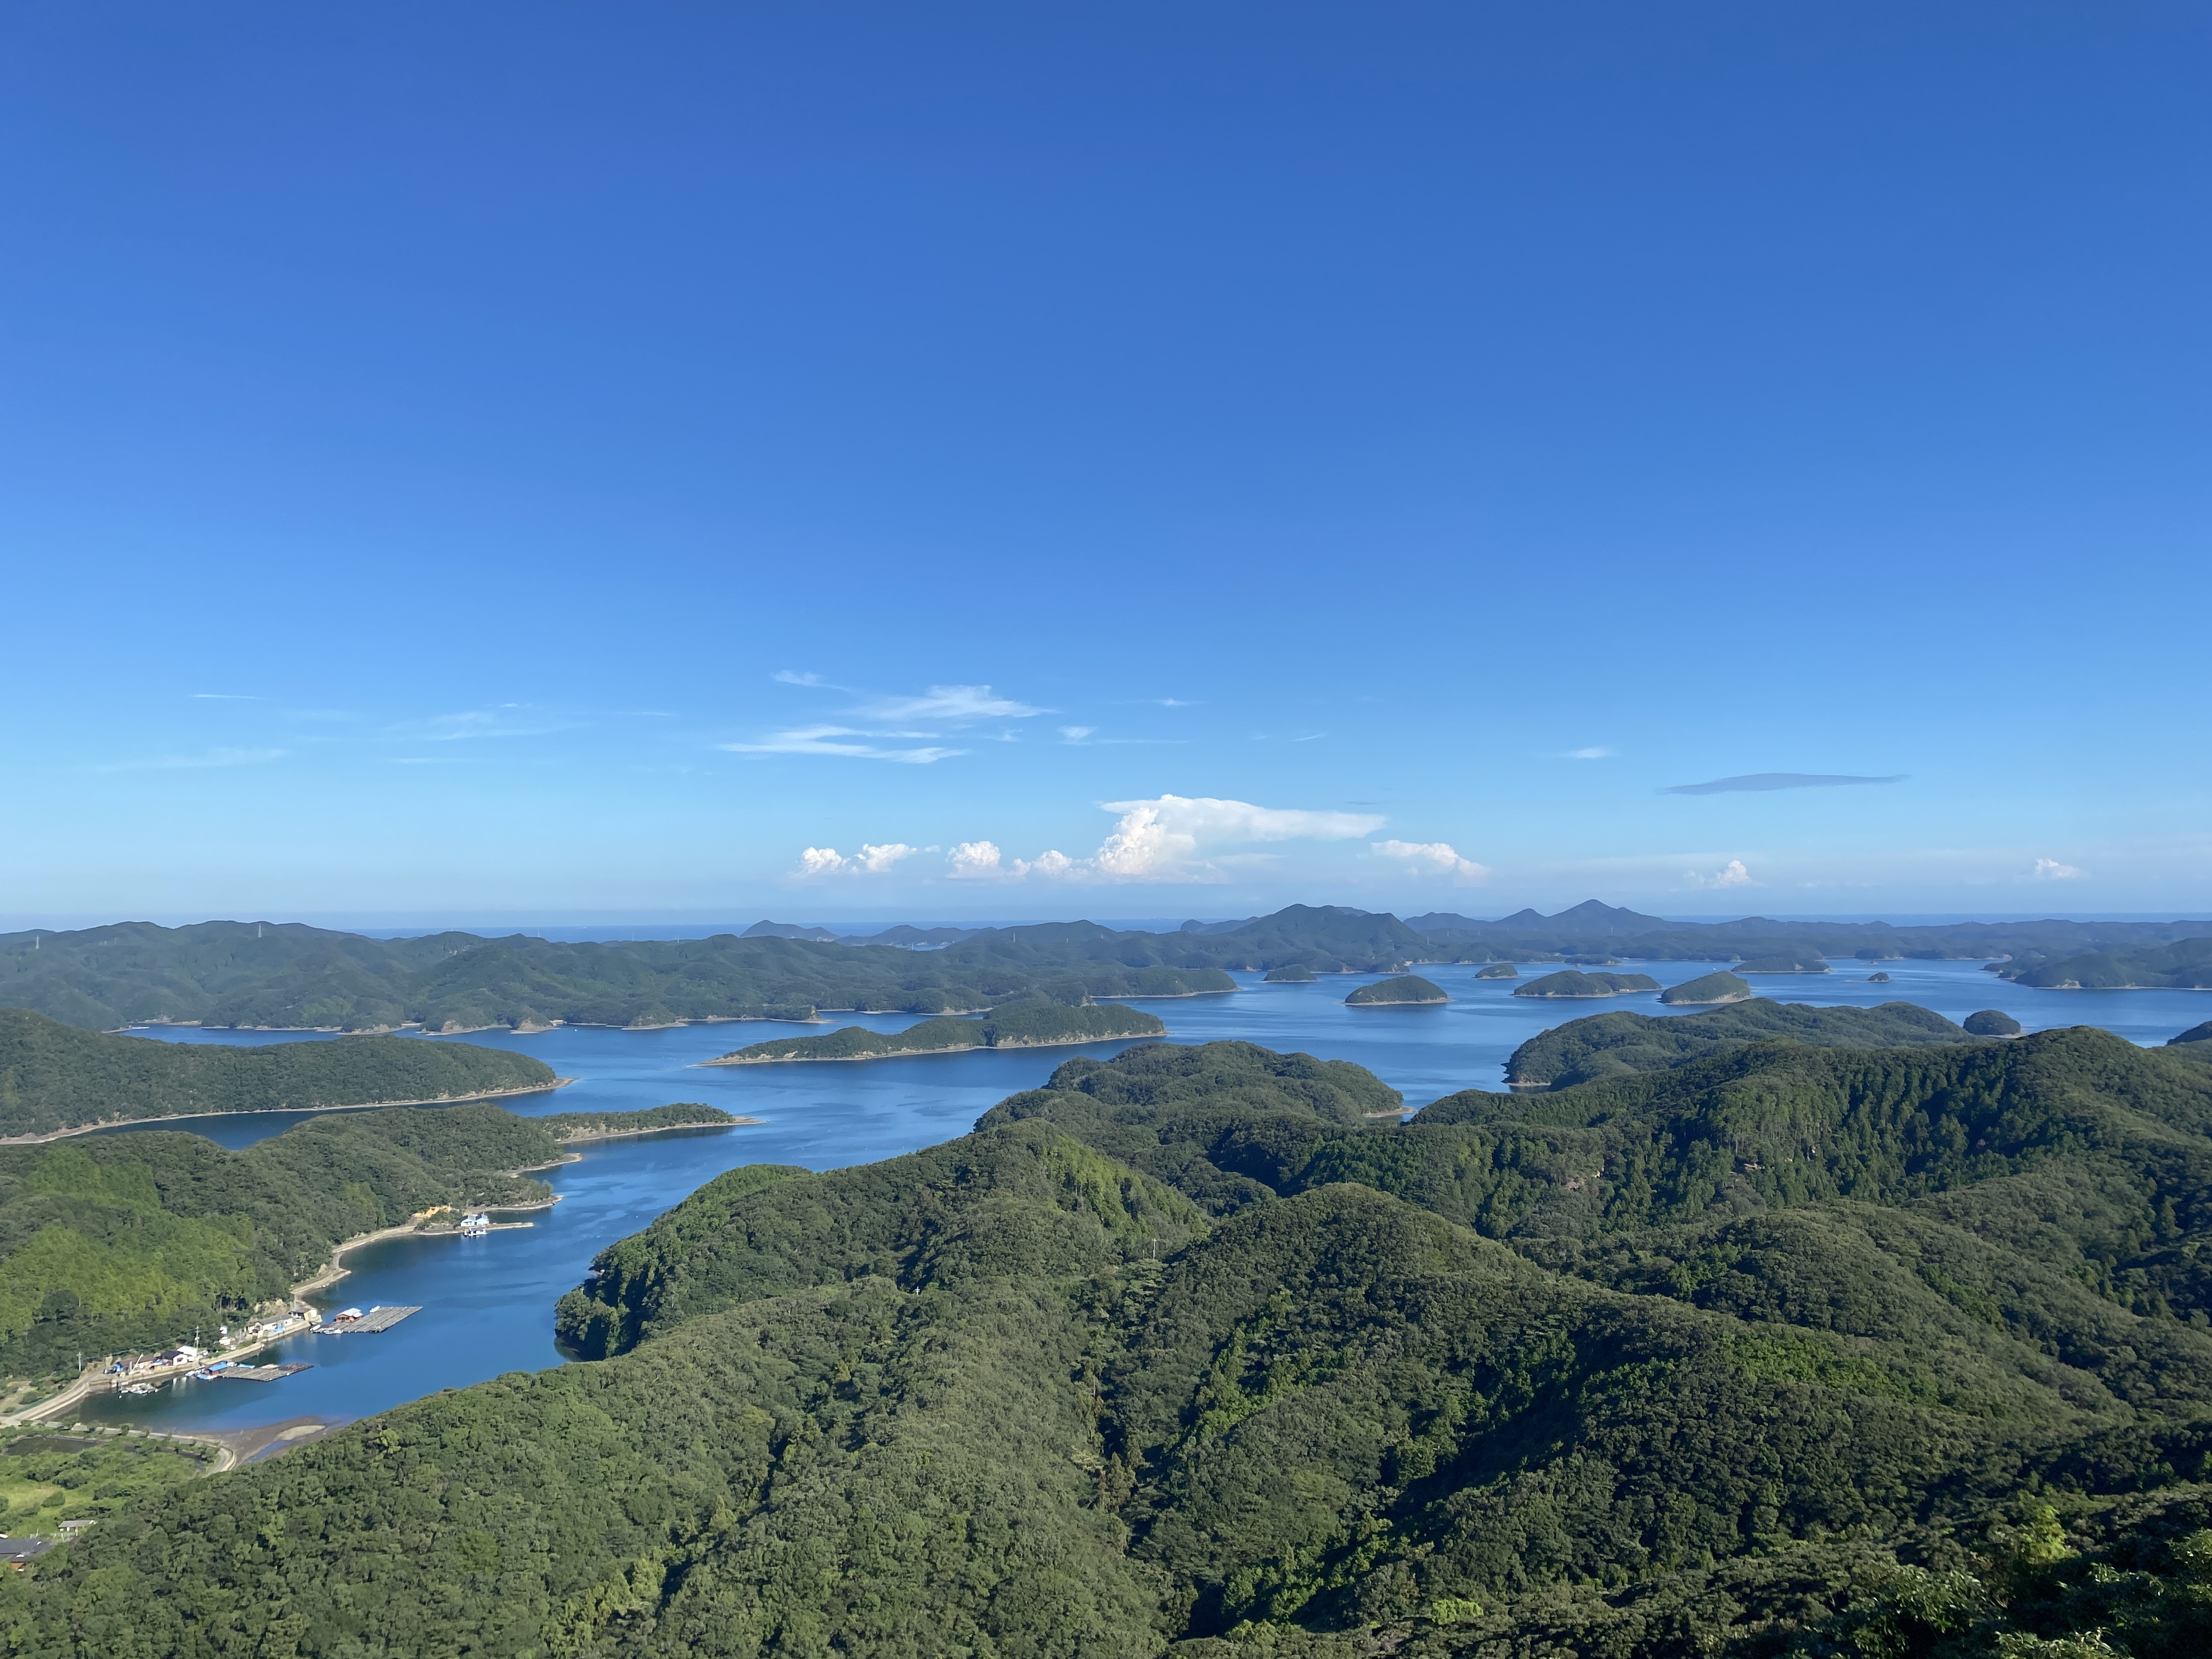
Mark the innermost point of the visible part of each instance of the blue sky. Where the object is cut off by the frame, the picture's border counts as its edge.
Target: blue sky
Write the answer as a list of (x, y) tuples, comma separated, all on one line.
[(534, 461)]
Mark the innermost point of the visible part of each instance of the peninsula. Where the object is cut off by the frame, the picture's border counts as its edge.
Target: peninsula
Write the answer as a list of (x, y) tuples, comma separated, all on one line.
[(114, 1243), (60, 1079), (1013, 1026)]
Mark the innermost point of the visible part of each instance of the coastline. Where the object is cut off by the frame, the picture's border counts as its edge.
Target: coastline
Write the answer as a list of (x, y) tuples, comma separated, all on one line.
[(658, 1129), (336, 1269), (317, 1111), (915, 1054), (87, 1383)]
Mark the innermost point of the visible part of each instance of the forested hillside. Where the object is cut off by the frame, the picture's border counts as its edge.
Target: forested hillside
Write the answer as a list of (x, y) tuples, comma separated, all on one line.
[(111, 1242), (2186, 966), (1786, 1349), (1594, 931), (290, 976), (1617, 1045), (54, 1076)]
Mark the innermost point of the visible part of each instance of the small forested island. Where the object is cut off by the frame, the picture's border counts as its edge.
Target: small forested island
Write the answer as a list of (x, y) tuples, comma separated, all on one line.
[(1498, 970), (1785, 961), (1296, 973), (1710, 989), (1026, 1024), (1407, 991), (1992, 1022), (1877, 979), (1785, 1351), (1571, 983), (59, 1079)]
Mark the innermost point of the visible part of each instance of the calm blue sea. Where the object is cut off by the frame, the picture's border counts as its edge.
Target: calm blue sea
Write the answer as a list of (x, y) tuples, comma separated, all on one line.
[(488, 1303)]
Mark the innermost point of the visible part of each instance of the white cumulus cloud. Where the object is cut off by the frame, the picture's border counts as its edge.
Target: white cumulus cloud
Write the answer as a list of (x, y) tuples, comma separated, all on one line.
[(872, 860), (1168, 839), (2052, 870), (1731, 874), (974, 860), (1437, 858)]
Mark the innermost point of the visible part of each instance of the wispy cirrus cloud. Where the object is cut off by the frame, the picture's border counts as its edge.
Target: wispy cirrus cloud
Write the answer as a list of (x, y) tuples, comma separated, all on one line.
[(874, 724), (848, 743), (223, 696), (949, 703), (505, 720), (205, 757), (1596, 751), (1753, 782)]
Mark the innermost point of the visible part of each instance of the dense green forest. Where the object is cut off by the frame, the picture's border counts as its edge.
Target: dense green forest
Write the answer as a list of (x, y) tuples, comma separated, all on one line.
[(1790, 1349), (54, 1076), (127, 1241), (231, 974), (1406, 989), (2186, 966), (1706, 990), (47, 1477), (1616, 1044), (1027, 1024)]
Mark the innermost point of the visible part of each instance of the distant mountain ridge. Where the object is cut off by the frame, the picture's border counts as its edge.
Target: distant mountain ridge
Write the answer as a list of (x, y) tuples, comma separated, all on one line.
[(288, 975)]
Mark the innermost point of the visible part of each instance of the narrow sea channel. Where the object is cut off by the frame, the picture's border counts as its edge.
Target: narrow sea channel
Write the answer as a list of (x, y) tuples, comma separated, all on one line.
[(488, 1303)]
